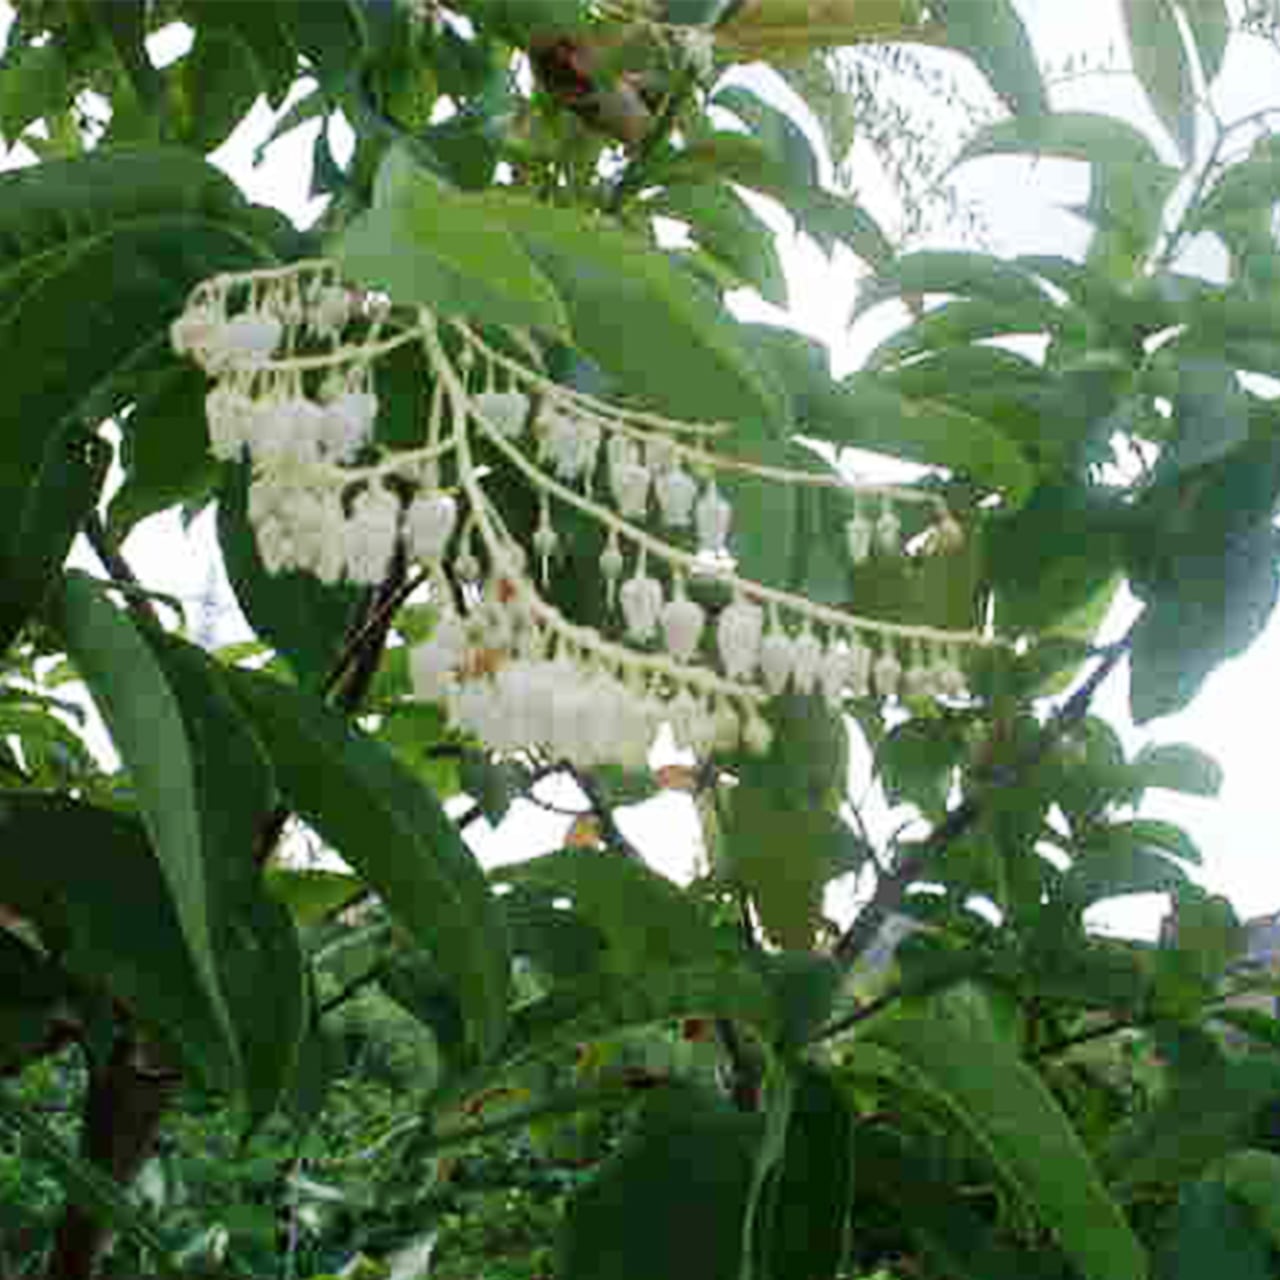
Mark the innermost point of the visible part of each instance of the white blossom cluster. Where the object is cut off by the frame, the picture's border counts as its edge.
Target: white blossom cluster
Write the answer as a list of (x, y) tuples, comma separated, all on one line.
[(292, 352)]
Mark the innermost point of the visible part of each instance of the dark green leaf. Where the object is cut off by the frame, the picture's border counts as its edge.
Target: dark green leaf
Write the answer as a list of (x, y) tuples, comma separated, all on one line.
[(1211, 416), (388, 826), (954, 1054), (671, 1203), (305, 619), (916, 763), (1211, 1225), (973, 275)]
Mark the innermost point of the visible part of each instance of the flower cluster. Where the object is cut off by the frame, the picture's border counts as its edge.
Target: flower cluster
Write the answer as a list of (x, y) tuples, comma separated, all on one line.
[(292, 354)]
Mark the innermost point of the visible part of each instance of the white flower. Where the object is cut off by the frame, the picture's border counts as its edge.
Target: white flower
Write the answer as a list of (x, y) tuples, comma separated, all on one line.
[(834, 675), (371, 535), (859, 533), (196, 331), (231, 416), (777, 660), (807, 661), (886, 673), (331, 309), (682, 622), (676, 492), (757, 737), (738, 634), (728, 727), (888, 530), (859, 669), (504, 411), (631, 489), (349, 420), (641, 600), (430, 522), (249, 339), (713, 516), (431, 664)]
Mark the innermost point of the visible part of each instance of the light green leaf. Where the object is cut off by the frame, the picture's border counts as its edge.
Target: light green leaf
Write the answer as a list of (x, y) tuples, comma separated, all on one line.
[(430, 246), (724, 224), (392, 830), (864, 412), (1210, 30), (992, 35), (1161, 62), (954, 1054), (776, 131), (633, 311), (973, 275), (1176, 766)]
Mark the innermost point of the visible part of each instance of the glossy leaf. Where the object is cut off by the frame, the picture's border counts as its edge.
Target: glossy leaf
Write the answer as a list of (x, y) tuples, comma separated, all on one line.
[(955, 1055), (392, 830)]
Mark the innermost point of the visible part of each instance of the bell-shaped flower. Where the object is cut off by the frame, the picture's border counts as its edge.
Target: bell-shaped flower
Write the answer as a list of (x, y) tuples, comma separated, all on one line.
[(807, 660), (777, 660), (682, 623), (738, 634), (641, 600), (676, 491), (712, 515), (504, 411), (886, 672), (371, 535), (431, 520)]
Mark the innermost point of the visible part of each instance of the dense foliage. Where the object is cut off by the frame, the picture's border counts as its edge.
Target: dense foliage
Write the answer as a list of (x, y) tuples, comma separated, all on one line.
[(502, 487)]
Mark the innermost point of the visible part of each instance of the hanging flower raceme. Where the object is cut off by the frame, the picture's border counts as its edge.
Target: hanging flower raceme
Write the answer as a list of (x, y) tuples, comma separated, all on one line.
[(291, 354)]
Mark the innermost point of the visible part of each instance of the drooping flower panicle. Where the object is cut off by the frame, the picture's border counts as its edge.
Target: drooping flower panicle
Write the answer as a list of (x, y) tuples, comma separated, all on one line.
[(292, 354)]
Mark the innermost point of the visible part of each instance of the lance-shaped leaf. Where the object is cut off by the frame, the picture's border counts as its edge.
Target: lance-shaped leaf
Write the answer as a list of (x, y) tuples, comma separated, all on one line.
[(955, 1054), (1161, 61), (88, 880), (203, 790), (382, 820)]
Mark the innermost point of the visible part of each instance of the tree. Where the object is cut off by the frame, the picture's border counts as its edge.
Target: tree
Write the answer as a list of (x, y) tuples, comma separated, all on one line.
[(502, 486)]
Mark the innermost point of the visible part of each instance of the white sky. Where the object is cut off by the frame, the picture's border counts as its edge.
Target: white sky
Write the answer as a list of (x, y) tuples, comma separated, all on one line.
[(1235, 714)]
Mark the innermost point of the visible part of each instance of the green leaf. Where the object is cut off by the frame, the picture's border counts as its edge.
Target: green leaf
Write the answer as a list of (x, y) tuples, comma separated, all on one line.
[(646, 322), (1176, 766), (260, 962), (164, 450), (954, 1054), (670, 1203), (1130, 185), (1210, 1225), (973, 275), (89, 881), (307, 620), (1113, 865), (644, 918), (86, 1184), (312, 896), (1210, 30), (1163, 68), (783, 838), (992, 35), (34, 84), (864, 412), (1200, 1119), (802, 1213), (175, 794), (1154, 833), (781, 137), (1210, 413), (40, 520), (261, 30), (388, 826), (1253, 1177), (916, 763), (430, 246), (724, 224)]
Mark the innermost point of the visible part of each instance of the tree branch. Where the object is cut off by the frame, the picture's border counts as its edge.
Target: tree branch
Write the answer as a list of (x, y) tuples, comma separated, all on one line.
[(892, 888)]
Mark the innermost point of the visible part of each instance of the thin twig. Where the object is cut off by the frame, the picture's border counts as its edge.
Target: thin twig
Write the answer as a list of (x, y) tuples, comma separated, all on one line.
[(892, 889)]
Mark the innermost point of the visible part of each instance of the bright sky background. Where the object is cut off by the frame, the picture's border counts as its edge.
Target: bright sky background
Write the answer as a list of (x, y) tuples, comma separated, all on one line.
[(1234, 717)]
